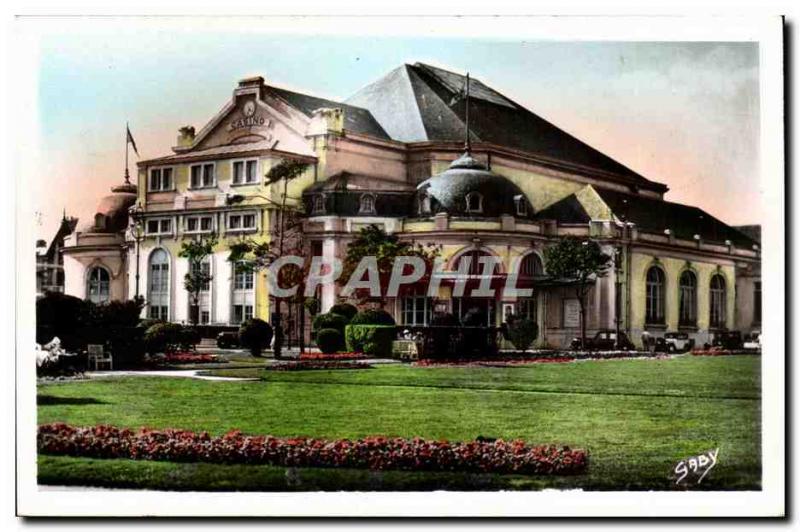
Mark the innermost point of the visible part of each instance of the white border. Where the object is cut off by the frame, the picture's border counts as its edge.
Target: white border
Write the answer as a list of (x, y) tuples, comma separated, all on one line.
[(769, 502)]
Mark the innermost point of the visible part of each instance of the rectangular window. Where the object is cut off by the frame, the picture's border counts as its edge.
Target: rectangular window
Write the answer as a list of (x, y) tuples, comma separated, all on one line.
[(159, 226), (242, 313), (198, 224), (416, 310), (205, 317), (241, 222), (204, 268), (160, 179), (245, 172), (202, 175), (243, 279)]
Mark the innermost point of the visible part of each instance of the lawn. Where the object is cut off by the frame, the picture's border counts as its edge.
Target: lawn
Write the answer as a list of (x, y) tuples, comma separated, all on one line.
[(637, 418)]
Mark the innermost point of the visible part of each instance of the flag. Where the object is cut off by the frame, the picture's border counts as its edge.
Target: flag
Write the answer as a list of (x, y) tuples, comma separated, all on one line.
[(130, 139)]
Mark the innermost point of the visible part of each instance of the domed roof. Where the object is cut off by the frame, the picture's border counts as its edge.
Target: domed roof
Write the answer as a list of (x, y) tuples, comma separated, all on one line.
[(112, 210), (492, 194)]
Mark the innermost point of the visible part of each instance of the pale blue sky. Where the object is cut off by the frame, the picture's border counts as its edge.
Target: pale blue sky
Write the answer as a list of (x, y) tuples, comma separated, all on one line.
[(685, 114)]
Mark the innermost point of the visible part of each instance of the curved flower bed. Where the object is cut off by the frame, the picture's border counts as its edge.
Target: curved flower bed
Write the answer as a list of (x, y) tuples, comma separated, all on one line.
[(331, 356), (317, 364), (375, 453)]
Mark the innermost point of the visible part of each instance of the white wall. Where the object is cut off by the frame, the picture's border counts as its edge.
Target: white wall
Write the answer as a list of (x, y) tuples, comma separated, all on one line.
[(74, 277)]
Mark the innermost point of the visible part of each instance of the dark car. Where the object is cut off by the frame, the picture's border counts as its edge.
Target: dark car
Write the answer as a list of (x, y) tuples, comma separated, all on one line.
[(728, 340), (228, 340), (604, 340)]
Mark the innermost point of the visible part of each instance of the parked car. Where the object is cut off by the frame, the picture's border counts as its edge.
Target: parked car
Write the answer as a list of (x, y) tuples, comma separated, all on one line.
[(752, 341), (678, 342), (727, 340), (604, 340), (228, 340)]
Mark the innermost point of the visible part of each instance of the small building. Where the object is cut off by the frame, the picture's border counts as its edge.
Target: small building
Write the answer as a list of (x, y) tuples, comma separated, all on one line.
[(50, 262)]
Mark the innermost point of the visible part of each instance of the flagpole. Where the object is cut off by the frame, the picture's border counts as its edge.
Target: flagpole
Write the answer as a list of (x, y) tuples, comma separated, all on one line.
[(127, 174)]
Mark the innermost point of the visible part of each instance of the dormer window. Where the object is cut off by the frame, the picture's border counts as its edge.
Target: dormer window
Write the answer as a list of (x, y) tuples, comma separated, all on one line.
[(474, 202), (318, 205), (424, 203), (521, 205), (366, 204)]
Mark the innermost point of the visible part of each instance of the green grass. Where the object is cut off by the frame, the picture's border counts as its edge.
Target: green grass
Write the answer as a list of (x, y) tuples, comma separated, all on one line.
[(637, 418)]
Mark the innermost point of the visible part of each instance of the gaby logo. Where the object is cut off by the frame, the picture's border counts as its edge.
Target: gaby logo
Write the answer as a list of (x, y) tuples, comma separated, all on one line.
[(696, 466)]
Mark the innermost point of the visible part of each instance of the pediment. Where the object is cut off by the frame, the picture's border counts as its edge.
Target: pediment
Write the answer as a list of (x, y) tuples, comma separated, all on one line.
[(249, 120)]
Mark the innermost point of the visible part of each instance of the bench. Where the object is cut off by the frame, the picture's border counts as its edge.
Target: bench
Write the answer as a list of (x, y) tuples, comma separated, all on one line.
[(405, 349)]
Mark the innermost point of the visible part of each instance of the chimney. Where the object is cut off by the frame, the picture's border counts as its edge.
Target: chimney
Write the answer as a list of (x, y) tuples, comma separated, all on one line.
[(185, 136), (255, 81)]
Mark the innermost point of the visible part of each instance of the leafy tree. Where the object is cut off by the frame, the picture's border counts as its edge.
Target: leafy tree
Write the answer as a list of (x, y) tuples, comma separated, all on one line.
[(287, 238), (255, 335), (373, 241), (197, 279), (521, 331), (580, 262)]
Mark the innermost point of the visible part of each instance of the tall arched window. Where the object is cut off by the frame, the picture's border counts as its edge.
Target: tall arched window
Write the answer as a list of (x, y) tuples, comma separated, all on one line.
[(688, 299), (367, 204), (424, 203), (158, 286), (474, 202), (98, 285), (475, 266), (654, 311), (531, 266), (717, 300)]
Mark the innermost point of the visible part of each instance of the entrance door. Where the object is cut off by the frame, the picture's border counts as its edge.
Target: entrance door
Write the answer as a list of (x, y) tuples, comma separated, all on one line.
[(487, 307)]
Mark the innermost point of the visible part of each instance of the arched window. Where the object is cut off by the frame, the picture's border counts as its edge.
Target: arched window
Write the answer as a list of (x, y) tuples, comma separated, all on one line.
[(424, 203), (158, 286), (474, 202), (521, 204), (717, 300), (366, 204), (654, 311), (531, 266), (688, 299), (475, 266), (98, 285), (318, 206)]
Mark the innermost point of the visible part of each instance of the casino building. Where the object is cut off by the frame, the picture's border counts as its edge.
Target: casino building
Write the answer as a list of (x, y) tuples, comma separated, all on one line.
[(394, 155)]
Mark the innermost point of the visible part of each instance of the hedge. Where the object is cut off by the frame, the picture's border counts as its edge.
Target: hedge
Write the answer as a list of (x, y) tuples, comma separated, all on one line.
[(372, 317), (373, 340), (376, 453), (329, 320)]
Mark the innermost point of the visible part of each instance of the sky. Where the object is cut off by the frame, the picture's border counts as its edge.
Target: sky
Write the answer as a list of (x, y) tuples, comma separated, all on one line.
[(684, 114)]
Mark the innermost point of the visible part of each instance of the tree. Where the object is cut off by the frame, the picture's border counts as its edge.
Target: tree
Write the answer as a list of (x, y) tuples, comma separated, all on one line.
[(198, 278), (373, 241), (287, 237), (579, 262)]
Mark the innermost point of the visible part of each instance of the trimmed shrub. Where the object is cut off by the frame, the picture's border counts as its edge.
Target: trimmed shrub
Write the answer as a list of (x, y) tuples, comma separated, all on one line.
[(372, 317), (330, 340), (344, 309), (190, 337), (330, 320), (521, 332), (62, 316), (255, 335), (373, 340), (163, 337)]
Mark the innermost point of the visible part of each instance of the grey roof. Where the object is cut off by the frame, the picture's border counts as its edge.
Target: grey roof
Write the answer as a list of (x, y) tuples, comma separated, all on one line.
[(448, 190), (356, 119), (349, 182), (655, 215), (417, 103), (566, 211), (752, 231)]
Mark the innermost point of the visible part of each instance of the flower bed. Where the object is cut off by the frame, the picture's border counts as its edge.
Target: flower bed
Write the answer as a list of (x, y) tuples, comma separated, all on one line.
[(517, 359), (721, 352), (331, 356), (189, 358), (317, 364), (376, 453)]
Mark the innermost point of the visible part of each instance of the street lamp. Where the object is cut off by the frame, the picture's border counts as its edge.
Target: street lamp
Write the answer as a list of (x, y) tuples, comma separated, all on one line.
[(137, 234)]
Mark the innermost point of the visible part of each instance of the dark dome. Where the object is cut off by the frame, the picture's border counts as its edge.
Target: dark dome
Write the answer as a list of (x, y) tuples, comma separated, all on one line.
[(112, 211), (466, 176)]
